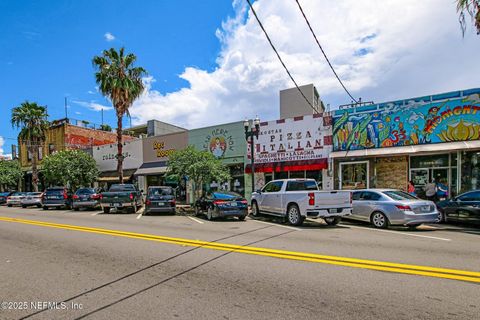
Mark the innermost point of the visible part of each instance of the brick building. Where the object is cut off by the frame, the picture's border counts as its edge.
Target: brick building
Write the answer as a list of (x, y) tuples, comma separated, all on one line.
[(63, 135)]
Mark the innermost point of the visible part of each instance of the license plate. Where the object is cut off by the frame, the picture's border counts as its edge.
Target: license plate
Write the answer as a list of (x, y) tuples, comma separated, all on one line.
[(116, 205), (233, 204), (333, 210), (161, 204)]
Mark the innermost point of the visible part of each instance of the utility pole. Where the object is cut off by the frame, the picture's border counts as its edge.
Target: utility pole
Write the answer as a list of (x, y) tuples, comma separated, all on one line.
[(66, 111), (102, 116)]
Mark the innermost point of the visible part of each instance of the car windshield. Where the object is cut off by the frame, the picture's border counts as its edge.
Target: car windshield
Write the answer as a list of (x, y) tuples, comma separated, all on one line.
[(160, 191), (226, 195), (18, 194), (122, 187), (85, 191), (399, 195)]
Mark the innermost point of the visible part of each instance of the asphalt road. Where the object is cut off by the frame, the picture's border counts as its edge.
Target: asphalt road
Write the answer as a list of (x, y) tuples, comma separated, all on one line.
[(166, 268)]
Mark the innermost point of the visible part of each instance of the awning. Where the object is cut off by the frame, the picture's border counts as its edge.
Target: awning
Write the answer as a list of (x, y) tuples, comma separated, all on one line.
[(152, 168), (434, 147), (112, 176), (301, 165)]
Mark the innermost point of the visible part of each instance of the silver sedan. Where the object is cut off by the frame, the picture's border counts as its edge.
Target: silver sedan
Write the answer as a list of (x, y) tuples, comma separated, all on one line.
[(384, 207)]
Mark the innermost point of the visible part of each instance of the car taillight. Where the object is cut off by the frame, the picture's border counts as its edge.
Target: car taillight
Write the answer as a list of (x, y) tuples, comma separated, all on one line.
[(75, 196), (148, 202), (244, 202), (351, 197), (96, 196), (311, 199), (65, 195), (172, 202), (403, 208), (131, 196), (218, 202)]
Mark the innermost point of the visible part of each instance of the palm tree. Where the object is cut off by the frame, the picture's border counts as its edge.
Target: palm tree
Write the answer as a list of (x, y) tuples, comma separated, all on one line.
[(32, 120), (472, 8), (121, 82)]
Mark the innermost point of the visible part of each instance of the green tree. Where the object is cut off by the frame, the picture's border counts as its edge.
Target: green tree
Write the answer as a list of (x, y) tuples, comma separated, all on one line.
[(471, 8), (199, 166), (73, 168), (10, 174), (121, 82), (32, 121)]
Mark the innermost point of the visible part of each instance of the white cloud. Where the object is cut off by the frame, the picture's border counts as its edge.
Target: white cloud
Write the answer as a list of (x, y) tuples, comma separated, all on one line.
[(2, 142), (109, 37), (382, 50), (92, 105)]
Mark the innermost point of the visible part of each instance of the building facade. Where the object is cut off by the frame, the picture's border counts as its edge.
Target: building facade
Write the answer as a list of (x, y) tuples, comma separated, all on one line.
[(62, 135), (227, 143), (420, 139), (298, 147)]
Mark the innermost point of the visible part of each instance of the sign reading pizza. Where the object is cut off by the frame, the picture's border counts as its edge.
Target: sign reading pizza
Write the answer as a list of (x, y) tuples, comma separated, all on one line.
[(299, 138)]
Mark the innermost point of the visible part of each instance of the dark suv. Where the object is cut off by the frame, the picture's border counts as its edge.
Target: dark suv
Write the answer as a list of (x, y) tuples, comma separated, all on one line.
[(57, 197), (88, 198)]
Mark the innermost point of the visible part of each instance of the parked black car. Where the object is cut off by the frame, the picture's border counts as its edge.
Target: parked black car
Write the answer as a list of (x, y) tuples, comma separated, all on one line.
[(57, 197), (88, 198), (3, 197), (220, 204), (160, 200), (464, 208)]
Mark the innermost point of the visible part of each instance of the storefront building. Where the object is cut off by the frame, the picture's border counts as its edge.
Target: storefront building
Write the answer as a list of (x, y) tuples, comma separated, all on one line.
[(420, 139), (106, 159), (294, 148), (156, 151), (227, 143)]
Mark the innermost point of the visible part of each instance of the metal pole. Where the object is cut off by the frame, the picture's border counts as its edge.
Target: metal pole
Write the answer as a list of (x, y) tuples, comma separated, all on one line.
[(252, 160), (66, 112), (102, 116)]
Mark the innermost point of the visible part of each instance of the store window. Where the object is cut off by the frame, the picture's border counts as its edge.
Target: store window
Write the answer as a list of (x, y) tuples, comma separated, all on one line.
[(470, 179), (354, 175)]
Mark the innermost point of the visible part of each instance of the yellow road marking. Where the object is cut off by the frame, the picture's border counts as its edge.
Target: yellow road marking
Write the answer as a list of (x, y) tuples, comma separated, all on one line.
[(463, 275)]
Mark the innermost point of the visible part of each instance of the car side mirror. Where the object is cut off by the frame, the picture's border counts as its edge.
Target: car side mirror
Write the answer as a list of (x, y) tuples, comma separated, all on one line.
[(259, 191)]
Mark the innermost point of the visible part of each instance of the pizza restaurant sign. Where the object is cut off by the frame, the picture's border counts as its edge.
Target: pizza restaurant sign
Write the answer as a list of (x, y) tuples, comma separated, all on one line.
[(303, 138)]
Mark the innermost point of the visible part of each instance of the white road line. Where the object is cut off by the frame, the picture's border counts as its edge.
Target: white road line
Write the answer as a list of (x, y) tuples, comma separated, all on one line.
[(276, 225), (395, 232), (196, 220), (94, 214), (139, 216)]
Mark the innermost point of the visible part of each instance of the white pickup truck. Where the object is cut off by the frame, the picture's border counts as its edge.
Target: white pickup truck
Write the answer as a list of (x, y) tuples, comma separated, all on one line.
[(297, 199)]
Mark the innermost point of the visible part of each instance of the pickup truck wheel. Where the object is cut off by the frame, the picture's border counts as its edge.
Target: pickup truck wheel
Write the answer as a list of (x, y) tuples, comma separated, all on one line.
[(379, 220), (293, 215), (255, 211), (106, 210), (332, 221)]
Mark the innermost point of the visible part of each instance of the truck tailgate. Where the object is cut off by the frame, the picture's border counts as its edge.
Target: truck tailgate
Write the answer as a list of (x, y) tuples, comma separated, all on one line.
[(332, 199)]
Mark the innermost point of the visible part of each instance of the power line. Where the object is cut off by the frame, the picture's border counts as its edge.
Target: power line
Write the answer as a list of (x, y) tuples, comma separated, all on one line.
[(278, 56), (324, 54)]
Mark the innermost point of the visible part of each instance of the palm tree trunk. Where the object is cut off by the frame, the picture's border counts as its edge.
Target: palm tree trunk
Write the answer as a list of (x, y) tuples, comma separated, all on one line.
[(119, 149), (34, 152)]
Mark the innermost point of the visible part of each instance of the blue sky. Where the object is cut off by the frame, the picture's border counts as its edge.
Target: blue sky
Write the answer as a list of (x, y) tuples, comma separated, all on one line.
[(47, 48), (209, 62)]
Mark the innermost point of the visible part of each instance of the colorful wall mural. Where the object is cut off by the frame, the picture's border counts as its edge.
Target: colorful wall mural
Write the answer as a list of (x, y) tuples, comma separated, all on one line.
[(443, 118)]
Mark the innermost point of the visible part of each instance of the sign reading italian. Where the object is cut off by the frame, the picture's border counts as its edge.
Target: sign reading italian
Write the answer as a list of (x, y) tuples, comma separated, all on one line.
[(301, 138)]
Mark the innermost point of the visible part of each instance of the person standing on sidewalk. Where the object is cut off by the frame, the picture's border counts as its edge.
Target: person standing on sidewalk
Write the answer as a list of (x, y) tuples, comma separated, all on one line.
[(431, 191), (411, 188)]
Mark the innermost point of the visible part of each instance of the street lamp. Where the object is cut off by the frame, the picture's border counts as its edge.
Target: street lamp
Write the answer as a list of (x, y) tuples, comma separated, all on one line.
[(252, 131)]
